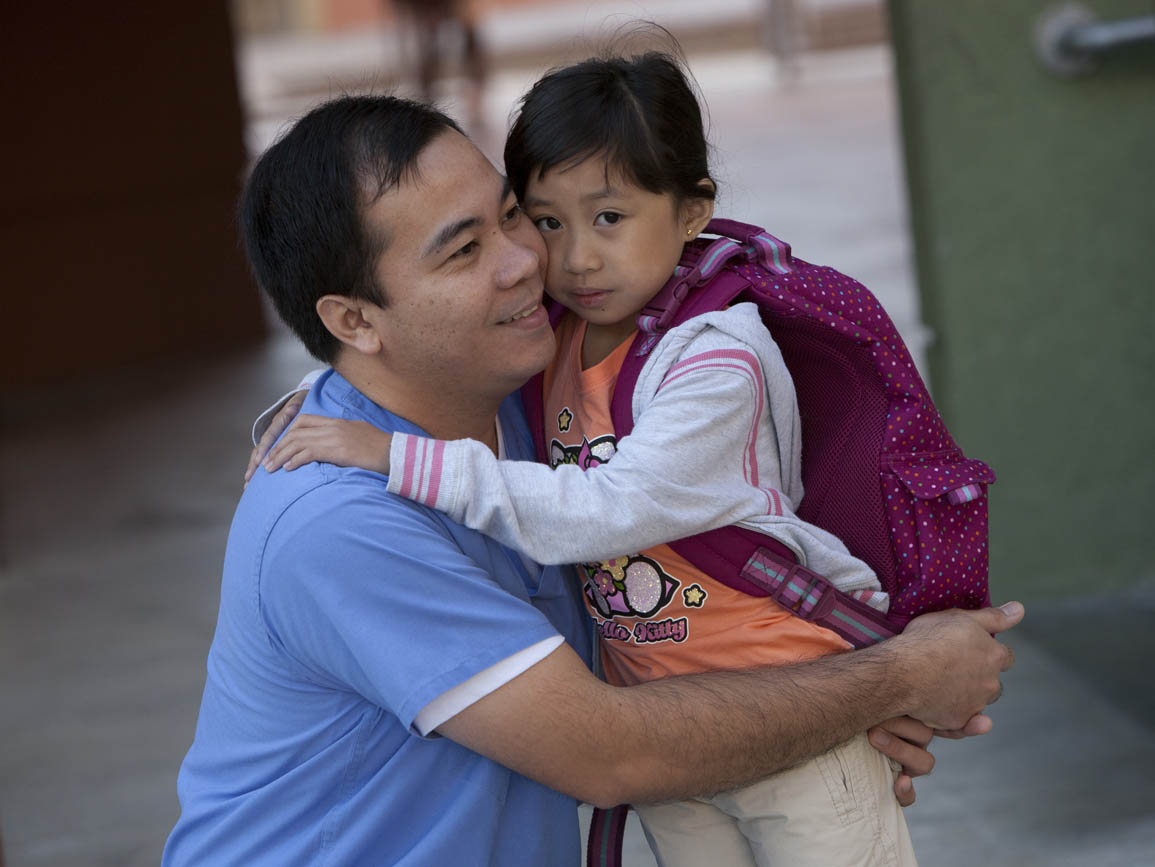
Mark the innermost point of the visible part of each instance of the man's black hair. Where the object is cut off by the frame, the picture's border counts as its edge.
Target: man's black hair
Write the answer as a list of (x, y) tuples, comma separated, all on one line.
[(639, 112), (301, 210)]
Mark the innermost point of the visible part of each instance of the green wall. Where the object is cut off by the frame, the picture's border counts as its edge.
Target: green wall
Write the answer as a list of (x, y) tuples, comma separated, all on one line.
[(1033, 208)]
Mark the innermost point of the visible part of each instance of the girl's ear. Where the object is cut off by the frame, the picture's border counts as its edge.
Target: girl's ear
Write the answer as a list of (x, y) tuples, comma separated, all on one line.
[(697, 211), (345, 319)]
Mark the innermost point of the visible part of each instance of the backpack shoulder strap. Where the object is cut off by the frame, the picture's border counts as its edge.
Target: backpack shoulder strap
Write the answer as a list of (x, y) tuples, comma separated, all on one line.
[(759, 565), (700, 283), (743, 559)]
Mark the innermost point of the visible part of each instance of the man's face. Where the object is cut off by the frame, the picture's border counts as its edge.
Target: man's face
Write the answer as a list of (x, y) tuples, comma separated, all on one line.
[(463, 274)]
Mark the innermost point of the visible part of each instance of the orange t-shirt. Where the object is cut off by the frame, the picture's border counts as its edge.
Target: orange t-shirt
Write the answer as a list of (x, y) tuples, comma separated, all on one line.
[(657, 614)]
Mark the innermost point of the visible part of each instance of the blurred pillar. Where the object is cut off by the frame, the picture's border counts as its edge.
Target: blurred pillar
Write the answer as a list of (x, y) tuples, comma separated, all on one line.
[(123, 152), (782, 33), (1033, 208)]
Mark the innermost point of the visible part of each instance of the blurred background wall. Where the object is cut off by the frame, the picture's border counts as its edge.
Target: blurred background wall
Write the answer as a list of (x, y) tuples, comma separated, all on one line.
[(1033, 211), (1006, 228), (123, 150)]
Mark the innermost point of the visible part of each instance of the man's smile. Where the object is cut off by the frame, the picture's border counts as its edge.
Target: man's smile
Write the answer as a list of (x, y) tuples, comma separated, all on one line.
[(526, 313)]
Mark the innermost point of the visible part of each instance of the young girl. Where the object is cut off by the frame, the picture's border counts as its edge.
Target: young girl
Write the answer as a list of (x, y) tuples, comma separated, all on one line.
[(609, 159)]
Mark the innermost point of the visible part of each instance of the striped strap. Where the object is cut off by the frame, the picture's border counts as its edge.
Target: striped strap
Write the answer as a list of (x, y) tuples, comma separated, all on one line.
[(607, 828), (704, 263), (964, 494), (808, 595)]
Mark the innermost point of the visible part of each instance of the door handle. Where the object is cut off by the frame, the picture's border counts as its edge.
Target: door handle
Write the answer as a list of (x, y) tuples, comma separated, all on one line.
[(1070, 40)]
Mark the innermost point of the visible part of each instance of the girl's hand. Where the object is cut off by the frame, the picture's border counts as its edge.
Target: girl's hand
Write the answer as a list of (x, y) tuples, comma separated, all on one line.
[(905, 741), (333, 441), (280, 421)]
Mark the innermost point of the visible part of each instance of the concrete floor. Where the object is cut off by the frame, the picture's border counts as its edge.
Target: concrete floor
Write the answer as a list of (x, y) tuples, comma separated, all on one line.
[(118, 496)]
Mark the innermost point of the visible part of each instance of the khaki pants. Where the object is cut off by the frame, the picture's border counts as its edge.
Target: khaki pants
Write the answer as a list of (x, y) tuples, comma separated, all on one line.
[(836, 810)]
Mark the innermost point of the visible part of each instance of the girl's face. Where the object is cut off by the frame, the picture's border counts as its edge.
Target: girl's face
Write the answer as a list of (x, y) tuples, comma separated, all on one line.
[(612, 245)]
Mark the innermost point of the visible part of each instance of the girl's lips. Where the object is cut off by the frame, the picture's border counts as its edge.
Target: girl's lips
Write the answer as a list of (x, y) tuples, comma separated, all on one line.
[(591, 299)]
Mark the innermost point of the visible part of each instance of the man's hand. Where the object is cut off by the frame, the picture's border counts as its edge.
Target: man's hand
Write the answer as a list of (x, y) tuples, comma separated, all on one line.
[(280, 421), (953, 662), (905, 740), (334, 441)]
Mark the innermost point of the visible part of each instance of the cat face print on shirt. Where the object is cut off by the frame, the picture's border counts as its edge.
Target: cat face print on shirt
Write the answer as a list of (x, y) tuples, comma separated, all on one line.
[(633, 585)]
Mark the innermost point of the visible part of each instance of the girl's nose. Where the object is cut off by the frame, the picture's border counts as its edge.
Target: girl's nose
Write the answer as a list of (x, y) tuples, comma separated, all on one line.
[(580, 256)]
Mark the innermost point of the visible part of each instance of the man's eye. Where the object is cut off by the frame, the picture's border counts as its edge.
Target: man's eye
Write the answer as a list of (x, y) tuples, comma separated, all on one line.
[(464, 251), (547, 224), (608, 218), (512, 214)]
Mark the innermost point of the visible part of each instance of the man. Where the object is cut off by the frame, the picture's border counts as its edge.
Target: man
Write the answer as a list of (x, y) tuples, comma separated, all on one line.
[(388, 687)]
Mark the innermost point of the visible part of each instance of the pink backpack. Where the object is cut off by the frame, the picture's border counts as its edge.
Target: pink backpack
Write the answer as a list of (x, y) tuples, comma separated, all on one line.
[(880, 470)]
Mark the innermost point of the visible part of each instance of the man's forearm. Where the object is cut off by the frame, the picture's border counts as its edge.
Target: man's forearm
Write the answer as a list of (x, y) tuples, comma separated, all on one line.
[(700, 734), (705, 733), (722, 730)]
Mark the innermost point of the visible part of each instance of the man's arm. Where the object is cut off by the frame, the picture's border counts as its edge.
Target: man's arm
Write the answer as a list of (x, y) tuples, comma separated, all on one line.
[(699, 734)]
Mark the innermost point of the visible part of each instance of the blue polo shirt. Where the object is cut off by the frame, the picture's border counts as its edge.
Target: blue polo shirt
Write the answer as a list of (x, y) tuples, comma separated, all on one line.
[(344, 611)]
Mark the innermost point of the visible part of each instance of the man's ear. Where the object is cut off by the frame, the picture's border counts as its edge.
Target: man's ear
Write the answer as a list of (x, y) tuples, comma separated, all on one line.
[(345, 319), (698, 211)]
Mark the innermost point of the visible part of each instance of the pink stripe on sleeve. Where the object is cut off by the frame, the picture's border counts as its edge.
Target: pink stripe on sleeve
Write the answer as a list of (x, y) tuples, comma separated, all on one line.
[(419, 469), (745, 363), (408, 468), (435, 473)]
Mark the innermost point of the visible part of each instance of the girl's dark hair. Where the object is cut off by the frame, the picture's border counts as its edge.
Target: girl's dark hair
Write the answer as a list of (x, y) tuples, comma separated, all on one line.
[(639, 112)]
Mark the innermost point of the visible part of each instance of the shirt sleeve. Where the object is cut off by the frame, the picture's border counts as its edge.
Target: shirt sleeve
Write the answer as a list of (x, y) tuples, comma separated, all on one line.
[(452, 702), (377, 597), (703, 454)]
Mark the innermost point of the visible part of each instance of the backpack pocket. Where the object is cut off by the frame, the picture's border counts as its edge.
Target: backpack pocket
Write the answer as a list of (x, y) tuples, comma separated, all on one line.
[(936, 504)]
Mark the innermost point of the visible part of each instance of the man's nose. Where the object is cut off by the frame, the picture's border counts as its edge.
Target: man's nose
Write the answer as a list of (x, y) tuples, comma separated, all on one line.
[(519, 262)]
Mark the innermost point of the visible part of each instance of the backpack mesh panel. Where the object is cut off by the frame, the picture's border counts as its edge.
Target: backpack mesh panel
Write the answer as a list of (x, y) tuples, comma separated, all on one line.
[(843, 418)]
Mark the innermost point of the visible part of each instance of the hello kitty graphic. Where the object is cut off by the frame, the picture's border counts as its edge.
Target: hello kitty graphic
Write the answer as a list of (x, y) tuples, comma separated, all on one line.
[(588, 454), (634, 586)]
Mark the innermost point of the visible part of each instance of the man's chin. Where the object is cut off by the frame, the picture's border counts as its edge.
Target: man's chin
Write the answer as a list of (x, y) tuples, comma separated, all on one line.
[(539, 357)]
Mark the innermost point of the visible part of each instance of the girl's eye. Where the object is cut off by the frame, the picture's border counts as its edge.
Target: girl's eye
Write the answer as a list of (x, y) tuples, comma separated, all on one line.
[(547, 224), (607, 218), (512, 214)]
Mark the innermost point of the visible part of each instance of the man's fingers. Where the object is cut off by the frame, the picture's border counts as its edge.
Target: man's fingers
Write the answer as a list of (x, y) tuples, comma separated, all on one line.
[(979, 724), (1000, 619), (1008, 659)]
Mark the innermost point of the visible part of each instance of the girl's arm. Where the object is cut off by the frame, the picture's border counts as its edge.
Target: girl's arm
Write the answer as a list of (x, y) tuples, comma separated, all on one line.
[(339, 441), (712, 437), (704, 453), (271, 423), (684, 469)]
